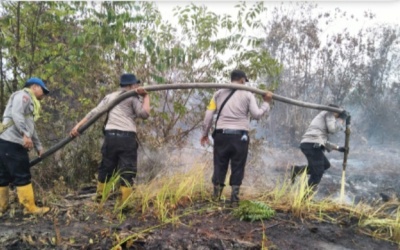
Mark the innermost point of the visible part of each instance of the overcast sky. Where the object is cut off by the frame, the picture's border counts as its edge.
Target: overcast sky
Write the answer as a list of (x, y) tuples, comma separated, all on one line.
[(386, 11)]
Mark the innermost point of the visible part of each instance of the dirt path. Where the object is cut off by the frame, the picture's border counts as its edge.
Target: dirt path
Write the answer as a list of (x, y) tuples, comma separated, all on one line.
[(78, 224)]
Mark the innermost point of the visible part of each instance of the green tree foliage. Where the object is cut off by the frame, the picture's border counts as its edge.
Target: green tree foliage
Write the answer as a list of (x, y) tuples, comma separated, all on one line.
[(81, 48)]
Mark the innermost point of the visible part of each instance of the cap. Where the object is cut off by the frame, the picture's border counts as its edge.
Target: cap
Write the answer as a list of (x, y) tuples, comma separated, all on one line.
[(128, 79), (237, 74), (38, 81)]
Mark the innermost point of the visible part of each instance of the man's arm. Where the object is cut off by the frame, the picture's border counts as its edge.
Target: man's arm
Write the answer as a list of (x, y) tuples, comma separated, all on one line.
[(208, 119), (330, 146), (257, 112), (333, 124), (207, 122), (74, 132), (142, 110), (19, 104), (37, 143)]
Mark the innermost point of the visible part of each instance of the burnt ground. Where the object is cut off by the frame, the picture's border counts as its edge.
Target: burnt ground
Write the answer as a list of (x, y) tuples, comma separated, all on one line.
[(371, 174), (76, 222)]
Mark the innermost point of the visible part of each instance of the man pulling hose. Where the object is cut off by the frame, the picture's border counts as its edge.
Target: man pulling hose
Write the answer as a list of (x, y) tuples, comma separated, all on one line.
[(119, 150), (231, 140)]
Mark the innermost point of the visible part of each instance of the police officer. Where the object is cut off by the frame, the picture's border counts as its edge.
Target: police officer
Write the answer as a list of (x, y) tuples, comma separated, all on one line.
[(315, 142), (231, 141), (18, 136), (119, 150)]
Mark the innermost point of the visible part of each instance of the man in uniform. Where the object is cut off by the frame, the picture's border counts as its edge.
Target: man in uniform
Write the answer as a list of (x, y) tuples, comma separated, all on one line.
[(119, 150), (18, 136), (315, 142), (231, 141)]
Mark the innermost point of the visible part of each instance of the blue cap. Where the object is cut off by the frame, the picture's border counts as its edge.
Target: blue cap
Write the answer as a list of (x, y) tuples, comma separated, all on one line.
[(128, 79), (38, 81)]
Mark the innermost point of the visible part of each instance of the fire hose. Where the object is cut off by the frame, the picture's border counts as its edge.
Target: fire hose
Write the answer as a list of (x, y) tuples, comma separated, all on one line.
[(151, 88)]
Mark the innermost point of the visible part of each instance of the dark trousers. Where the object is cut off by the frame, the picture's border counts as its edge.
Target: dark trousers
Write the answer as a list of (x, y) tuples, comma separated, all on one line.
[(317, 162), (119, 152), (14, 164), (229, 148)]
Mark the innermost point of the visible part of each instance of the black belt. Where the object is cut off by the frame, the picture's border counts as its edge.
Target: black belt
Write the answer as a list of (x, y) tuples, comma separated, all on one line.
[(231, 131), (310, 145), (120, 133)]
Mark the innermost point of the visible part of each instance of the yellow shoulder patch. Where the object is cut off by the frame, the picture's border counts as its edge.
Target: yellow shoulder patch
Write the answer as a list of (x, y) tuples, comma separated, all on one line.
[(212, 105)]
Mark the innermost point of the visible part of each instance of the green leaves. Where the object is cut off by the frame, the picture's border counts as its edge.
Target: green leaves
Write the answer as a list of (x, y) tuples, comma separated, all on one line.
[(86, 46), (253, 210)]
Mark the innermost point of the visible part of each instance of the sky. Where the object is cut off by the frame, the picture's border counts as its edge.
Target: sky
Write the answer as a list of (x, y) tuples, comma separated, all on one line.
[(385, 10)]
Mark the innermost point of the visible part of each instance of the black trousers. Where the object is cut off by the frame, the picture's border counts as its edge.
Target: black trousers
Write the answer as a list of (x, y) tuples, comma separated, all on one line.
[(14, 164), (119, 153), (229, 148), (317, 162)]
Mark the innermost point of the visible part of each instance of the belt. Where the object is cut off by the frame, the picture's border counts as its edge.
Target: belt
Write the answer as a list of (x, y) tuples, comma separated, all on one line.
[(231, 131), (310, 145), (120, 133)]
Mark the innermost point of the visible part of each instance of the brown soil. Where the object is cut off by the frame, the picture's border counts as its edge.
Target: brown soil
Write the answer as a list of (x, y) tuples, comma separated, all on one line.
[(77, 223)]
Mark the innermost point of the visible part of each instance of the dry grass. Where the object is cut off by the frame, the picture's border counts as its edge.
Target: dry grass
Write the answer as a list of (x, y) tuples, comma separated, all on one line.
[(164, 195), (381, 222)]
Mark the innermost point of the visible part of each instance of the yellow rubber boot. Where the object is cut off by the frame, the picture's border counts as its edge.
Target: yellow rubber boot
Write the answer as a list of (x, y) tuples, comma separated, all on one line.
[(3, 199), (99, 191), (27, 199), (125, 193)]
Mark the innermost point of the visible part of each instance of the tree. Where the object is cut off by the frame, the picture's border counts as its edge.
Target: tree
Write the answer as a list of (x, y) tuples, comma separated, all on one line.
[(81, 48)]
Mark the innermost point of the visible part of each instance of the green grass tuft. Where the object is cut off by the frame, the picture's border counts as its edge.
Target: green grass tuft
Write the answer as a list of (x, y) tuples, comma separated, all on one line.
[(253, 210)]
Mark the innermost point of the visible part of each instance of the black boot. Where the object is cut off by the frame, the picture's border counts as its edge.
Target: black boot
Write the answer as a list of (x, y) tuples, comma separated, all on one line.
[(296, 170), (235, 195), (217, 192)]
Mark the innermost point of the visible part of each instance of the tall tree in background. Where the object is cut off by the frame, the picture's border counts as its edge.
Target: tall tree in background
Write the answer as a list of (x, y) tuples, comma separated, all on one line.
[(378, 86), (81, 48), (343, 67)]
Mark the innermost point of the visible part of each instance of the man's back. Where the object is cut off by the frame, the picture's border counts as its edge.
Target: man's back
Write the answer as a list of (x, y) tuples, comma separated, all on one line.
[(19, 110), (234, 114), (122, 116), (320, 127)]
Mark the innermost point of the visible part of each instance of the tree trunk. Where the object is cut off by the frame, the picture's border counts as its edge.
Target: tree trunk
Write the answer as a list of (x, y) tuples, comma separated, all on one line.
[(1, 81), (15, 57)]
